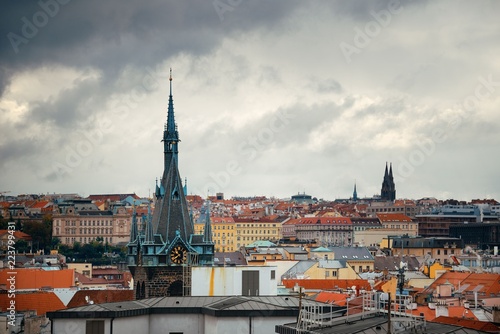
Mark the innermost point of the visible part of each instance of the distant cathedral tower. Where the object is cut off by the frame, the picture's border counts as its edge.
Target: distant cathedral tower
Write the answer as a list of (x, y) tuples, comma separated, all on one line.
[(388, 192), (355, 194), (161, 256)]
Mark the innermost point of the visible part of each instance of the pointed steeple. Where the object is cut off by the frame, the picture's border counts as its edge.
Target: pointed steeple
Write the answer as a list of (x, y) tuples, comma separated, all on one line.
[(171, 211), (207, 233), (149, 238), (355, 193), (388, 192), (170, 133), (133, 229)]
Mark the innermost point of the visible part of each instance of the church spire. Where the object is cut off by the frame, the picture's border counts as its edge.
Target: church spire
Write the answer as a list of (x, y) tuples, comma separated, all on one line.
[(133, 230), (149, 238), (207, 233), (355, 193), (170, 133)]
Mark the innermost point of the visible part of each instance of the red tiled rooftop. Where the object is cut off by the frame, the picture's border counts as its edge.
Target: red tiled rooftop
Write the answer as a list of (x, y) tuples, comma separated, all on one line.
[(327, 284), (468, 323), (41, 301), (324, 221), (40, 205), (17, 234), (332, 298), (100, 296), (38, 278)]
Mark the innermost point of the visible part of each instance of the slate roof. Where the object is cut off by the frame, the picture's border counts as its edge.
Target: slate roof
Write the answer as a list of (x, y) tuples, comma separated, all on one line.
[(332, 264), (393, 262), (277, 306), (261, 243), (235, 258), (378, 324), (295, 250), (299, 268), (320, 249), (351, 253)]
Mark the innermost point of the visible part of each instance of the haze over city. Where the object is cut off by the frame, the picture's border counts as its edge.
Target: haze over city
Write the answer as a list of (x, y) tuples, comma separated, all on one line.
[(270, 98)]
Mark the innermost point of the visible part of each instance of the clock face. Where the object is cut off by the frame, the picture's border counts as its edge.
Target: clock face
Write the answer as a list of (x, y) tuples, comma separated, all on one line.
[(178, 255)]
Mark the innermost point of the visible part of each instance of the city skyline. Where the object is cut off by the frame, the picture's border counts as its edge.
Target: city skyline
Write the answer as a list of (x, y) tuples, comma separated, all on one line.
[(270, 98)]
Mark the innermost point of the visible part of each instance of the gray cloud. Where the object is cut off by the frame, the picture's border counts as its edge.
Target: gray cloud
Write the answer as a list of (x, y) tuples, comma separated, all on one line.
[(235, 73)]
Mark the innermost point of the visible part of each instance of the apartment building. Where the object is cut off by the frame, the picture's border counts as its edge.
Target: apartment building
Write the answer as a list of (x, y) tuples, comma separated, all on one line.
[(249, 230), (325, 230), (223, 233), (398, 221), (81, 221)]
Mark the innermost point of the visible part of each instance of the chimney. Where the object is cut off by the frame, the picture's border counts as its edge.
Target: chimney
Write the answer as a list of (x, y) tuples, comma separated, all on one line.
[(441, 309)]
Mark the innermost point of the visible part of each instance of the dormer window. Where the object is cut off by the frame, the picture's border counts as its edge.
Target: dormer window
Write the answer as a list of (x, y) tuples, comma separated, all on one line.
[(175, 194)]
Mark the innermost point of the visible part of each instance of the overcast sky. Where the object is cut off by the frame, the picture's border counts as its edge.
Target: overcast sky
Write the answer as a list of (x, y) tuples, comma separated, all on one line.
[(271, 97)]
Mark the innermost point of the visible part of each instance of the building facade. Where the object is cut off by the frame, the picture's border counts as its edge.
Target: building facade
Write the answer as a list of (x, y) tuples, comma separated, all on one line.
[(327, 231), (81, 221)]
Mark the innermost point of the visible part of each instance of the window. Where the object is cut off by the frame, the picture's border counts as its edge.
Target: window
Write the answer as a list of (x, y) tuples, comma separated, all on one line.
[(94, 327)]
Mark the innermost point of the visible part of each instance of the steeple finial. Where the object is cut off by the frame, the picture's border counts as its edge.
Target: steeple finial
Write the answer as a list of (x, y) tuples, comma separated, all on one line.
[(170, 79)]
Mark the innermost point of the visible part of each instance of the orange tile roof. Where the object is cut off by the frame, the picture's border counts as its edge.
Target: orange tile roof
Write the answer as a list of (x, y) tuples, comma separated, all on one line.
[(468, 323), (41, 301), (39, 205), (481, 282), (453, 312), (100, 296), (17, 234), (84, 280), (327, 284), (332, 298), (324, 221), (38, 278)]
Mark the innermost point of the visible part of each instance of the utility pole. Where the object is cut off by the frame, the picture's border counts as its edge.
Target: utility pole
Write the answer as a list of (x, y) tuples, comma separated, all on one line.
[(389, 315)]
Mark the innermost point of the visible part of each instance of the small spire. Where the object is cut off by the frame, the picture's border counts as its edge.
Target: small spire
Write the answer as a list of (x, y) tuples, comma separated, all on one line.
[(170, 79)]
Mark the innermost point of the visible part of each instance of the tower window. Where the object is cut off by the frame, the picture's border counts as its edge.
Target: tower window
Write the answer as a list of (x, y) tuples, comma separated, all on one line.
[(175, 194)]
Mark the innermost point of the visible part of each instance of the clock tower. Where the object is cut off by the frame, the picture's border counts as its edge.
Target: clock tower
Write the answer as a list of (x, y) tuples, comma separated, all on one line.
[(161, 256)]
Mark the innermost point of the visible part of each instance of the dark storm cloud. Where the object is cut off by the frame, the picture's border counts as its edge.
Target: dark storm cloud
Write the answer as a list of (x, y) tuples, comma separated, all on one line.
[(113, 34)]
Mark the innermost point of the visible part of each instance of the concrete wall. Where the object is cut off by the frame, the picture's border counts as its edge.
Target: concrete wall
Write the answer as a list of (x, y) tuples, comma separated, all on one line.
[(227, 281), (184, 323), (140, 324), (244, 325), (77, 326)]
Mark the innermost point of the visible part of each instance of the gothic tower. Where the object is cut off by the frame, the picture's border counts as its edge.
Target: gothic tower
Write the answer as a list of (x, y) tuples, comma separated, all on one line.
[(355, 194), (388, 192), (161, 256)]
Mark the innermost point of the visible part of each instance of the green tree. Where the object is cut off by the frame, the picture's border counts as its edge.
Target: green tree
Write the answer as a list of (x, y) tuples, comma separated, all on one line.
[(3, 223), (22, 246), (55, 243)]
